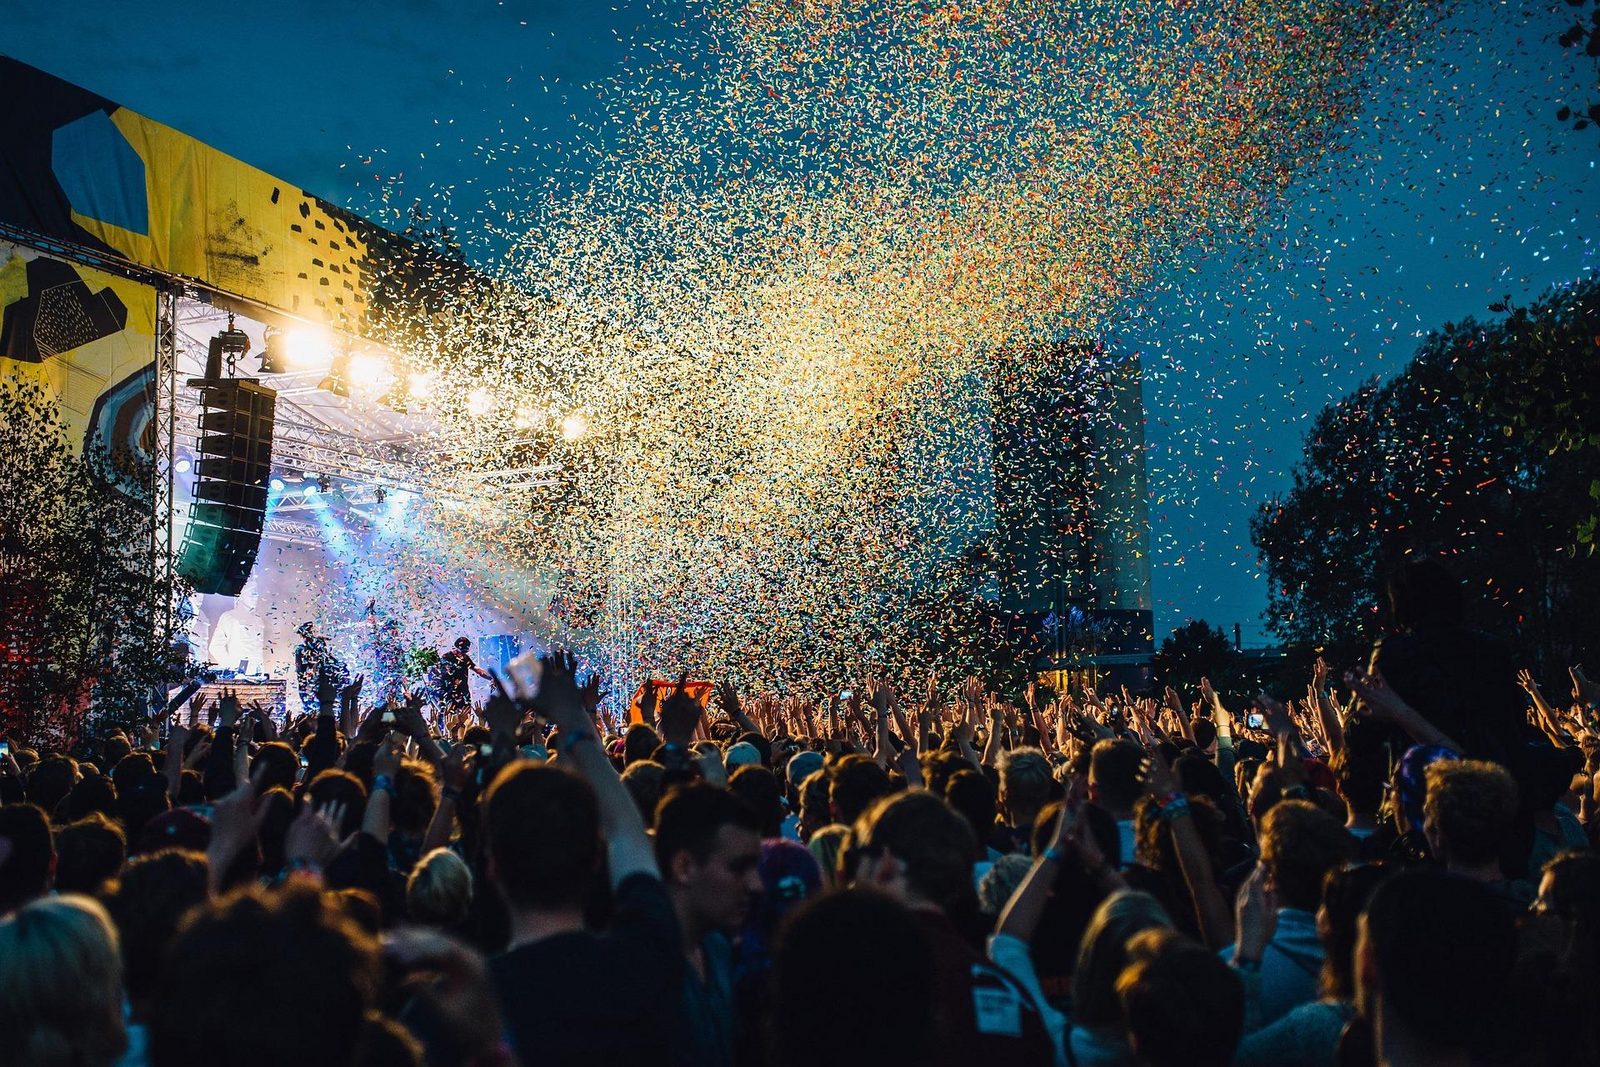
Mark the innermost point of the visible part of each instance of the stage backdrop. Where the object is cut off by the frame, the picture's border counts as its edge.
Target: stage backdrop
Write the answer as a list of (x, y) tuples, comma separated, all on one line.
[(81, 170)]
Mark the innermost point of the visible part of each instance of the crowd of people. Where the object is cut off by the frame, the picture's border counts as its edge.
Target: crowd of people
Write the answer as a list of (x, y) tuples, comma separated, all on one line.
[(1397, 868)]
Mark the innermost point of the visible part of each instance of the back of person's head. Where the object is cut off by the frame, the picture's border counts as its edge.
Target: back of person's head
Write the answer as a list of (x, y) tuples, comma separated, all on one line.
[(1345, 893), (144, 799), (279, 765), (335, 786), (416, 794), (973, 797), (439, 891), (1423, 593), (1205, 733), (1114, 774), (857, 781), (639, 743), (115, 747), (148, 901), (1181, 1005), (845, 962), (132, 769), (29, 855), (645, 780), (690, 819), (1000, 881), (93, 794), (1300, 844), (543, 835), (814, 813), (60, 985), (759, 788), (1103, 953), (1025, 783), (931, 842), (1361, 766), (51, 779), (1469, 809), (88, 852), (1437, 950), (939, 766), (266, 977)]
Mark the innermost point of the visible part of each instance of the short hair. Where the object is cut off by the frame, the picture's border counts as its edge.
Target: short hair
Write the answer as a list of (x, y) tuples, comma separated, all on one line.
[(88, 852), (853, 958), (313, 978), (1115, 768), (639, 743), (1361, 767), (132, 769), (543, 834), (1472, 805), (1000, 881), (1183, 1006), (416, 794), (25, 873), (644, 780), (690, 817), (1025, 778), (50, 780), (148, 902), (759, 788), (1444, 948), (1205, 732), (1103, 953), (61, 983), (973, 797), (933, 844), (94, 793), (439, 890), (814, 800), (1300, 844), (1345, 893), (856, 781), (281, 765), (339, 786)]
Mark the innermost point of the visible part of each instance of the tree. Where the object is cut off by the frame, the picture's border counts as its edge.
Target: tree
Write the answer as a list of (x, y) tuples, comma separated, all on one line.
[(1584, 33), (1455, 458), (1194, 651), (78, 635)]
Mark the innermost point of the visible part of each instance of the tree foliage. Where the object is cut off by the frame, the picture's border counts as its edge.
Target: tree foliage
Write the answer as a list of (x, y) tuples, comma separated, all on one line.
[(1193, 651), (1482, 452), (76, 583)]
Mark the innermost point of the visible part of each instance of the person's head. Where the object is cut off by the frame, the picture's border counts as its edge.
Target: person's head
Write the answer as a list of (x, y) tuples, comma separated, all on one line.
[(61, 984), (278, 762), (796, 770), (267, 977), (416, 794), (439, 891), (743, 754), (335, 786), (1182, 1006), (1205, 733), (645, 780), (1433, 955), (1102, 953), (1025, 785), (639, 743), (857, 781), (1569, 891), (708, 845), (1361, 767), (814, 812), (132, 769), (542, 828), (974, 797), (916, 847), (1000, 881), (1423, 594), (1345, 893), (115, 747), (306, 629), (1114, 776), (1469, 811), (92, 794), (759, 789), (848, 960), (1300, 844), (148, 901), (88, 852), (27, 854), (463, 644), (51, 779)]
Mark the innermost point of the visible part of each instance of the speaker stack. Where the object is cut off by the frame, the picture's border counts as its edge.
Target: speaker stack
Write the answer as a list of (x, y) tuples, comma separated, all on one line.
[(233, 464)]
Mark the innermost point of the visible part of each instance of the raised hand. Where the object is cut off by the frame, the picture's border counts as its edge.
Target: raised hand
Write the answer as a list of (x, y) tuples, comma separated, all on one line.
[(728, 699), (680, 714), (1159, 779), (313, 837), (228, 708), (235, 819)]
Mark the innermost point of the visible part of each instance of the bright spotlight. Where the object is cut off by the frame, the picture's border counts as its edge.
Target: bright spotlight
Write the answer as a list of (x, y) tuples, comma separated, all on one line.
[(304, 348), (421, 384), (479, 403), (311, 490), (399, 498), (367, 371), (574, 426), (276, 485), (182, 466)]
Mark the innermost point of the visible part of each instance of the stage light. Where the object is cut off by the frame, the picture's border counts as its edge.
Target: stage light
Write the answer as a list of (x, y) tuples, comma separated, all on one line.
[(276, 485), (574, 426), (526, 419), (479, 403), (324, 483), (422, 384), (367, 371), (182, 466), (274, 354), (311, 490), (302, 348), (337, 380)]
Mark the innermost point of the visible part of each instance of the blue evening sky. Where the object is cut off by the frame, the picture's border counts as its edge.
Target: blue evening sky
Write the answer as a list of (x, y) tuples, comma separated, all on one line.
[(1466, 190)]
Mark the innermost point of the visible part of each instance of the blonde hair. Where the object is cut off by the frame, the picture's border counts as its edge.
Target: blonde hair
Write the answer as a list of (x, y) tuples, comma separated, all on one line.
[(61, 984), (1103, 953), (439, 891)]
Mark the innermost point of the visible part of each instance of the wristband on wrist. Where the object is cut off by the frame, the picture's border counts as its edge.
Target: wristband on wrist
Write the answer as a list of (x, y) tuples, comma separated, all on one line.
[(1054, 854), (383, 782), (1175, 808)]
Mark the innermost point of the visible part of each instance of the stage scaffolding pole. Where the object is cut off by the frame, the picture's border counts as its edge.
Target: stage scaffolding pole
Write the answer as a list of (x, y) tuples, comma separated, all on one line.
[(163, 449)]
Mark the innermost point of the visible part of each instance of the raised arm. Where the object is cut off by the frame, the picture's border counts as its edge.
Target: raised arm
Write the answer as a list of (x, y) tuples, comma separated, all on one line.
[(1384, 704), (558, 700)]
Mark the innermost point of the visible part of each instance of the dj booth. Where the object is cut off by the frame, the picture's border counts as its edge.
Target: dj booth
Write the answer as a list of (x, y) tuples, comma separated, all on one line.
[(270, 693)]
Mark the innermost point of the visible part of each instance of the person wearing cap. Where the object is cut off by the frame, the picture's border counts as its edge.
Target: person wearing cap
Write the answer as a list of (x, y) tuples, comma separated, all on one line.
[(455, 686)]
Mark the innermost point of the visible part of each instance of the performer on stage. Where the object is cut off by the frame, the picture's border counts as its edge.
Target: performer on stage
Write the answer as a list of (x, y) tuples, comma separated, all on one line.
[(314, 661), (388, 656), (455, 687)]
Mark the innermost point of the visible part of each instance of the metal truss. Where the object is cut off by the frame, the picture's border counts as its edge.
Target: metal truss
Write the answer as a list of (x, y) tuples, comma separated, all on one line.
[(162, 449)]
